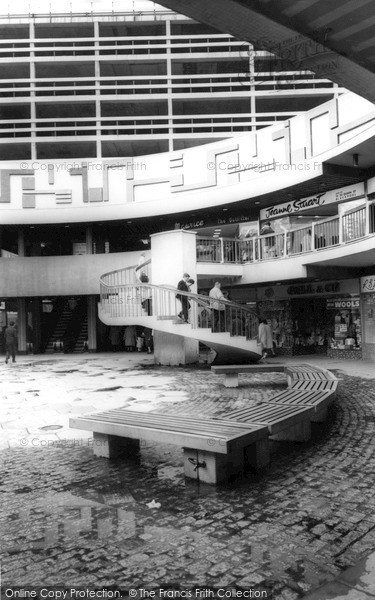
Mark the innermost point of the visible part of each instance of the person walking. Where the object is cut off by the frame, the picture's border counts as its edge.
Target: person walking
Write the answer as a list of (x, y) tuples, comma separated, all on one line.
[(184, 287), (265, 338), (269, 242), (217, 307), (130, 338), (10, 336)]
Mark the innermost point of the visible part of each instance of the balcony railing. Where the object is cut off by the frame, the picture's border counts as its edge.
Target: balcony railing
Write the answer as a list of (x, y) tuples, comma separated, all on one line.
[(335, 231)]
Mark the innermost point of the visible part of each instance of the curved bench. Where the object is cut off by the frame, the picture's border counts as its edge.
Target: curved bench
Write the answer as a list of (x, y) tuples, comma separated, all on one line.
[(217, 448)]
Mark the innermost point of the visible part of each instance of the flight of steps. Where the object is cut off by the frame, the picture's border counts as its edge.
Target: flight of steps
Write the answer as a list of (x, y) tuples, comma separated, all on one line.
[(56, 339)]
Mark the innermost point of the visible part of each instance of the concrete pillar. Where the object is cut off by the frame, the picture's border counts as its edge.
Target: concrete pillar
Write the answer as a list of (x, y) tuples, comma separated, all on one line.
[(173, 253), (36, 309), (111, 446), (91, 323), (21, 242), (21, 325)]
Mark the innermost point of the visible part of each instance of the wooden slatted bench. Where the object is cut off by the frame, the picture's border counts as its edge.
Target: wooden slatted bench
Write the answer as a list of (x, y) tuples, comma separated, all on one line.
[(309, 386), (284, 422), (231, 372), (214, 449), (319, 401)]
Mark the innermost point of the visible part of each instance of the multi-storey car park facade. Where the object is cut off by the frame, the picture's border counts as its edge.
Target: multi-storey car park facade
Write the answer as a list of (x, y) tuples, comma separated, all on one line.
[(124, 132), (129, 84)]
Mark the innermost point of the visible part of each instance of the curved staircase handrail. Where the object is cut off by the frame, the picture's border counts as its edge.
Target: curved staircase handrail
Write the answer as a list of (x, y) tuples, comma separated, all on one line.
[(126, 275), (147, 262), (139, 301), (110, 273), (191, 295)]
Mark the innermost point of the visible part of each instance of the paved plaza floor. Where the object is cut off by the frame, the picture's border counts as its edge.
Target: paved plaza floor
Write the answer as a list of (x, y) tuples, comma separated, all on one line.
[(69, 519)]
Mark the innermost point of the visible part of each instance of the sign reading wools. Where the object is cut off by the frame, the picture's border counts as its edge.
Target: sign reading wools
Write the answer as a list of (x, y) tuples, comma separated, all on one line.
[(350, 192)]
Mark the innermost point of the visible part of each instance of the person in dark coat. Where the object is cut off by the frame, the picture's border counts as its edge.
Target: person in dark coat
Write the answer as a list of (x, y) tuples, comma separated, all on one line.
[(183, 287), (10, 336)]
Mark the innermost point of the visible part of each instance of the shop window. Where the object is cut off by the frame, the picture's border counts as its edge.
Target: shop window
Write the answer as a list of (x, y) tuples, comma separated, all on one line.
[(346, 323)]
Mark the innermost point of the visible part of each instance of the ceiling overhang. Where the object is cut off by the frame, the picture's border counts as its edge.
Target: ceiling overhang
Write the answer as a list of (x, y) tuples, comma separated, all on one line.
[(333, 40)]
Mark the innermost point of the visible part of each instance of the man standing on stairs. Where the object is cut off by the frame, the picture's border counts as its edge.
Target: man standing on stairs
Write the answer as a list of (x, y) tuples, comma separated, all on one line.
[(218, 308), (183, 286)]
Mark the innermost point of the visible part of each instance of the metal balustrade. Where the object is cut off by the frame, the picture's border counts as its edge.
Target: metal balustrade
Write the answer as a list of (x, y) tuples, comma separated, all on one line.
[(334, 231), (146, 300), (354, 224), (128, 275), (326, 234)]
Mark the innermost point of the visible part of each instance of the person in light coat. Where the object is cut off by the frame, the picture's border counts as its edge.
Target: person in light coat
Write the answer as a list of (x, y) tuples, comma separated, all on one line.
[(265, 338)]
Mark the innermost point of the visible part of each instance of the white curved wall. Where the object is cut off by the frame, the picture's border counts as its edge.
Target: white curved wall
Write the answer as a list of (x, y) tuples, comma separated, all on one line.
[(210, 175)]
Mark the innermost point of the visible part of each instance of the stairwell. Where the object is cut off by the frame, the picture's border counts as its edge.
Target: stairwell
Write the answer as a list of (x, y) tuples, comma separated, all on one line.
[(70, 331), (55, 341)]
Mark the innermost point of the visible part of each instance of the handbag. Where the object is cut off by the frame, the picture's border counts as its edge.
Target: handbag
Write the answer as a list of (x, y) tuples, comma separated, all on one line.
[(143, 278)]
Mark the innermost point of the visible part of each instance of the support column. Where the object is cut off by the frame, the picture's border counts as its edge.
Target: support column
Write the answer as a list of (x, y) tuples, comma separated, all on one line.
[(21, 325), (111, 446), (21, 242), (36, 324), (173, 254), (91, 323), (300, 432)]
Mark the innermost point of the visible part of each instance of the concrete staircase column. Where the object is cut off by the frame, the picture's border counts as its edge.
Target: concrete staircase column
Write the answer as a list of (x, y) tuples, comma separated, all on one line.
[(173, 253)]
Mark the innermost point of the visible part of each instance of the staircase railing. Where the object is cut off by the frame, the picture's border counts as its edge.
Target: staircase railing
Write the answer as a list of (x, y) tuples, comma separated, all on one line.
[(145, 299), (128, 275)]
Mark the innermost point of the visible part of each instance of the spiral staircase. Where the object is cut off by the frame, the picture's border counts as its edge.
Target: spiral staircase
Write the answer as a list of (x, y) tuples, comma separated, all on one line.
[(125, 300)]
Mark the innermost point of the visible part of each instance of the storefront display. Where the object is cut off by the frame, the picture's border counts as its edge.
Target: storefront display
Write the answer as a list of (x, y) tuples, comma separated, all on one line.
[(346, 320), (314, 318)]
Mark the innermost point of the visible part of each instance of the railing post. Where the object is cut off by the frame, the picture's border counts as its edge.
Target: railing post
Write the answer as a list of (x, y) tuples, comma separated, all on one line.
[(313, 245), (341, 232), (367, 218), (285, 243), (222, 249)]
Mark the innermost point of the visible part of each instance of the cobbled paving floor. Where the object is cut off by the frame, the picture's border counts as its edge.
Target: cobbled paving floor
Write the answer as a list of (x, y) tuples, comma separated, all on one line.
[(67, 518)]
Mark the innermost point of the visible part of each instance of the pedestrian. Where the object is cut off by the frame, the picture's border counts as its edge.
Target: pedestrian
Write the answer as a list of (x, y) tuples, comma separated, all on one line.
[(140, 340), (130, 338), (269, 242), (217, 307), (149, 342), (265, 338), (10, 336), (115, 337), (140, 270), (184, 287)]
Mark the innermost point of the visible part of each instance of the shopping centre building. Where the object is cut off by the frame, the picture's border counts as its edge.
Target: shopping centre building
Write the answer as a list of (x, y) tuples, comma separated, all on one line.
[(135, 132)]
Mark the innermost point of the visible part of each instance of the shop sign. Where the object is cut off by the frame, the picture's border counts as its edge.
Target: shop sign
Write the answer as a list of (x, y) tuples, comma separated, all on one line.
[(322, 288), (211, 222), (368, 284), (340, 303), (312, 289), (350, 192)]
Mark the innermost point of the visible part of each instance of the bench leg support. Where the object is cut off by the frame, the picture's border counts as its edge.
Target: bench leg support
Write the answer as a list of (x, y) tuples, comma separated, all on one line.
[(301, 432), (320, 416), (257, 455), (110, 446), (218, 467), (231, 380)]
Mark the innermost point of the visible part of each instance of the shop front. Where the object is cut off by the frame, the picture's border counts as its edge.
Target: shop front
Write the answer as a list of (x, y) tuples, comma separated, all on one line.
[(314, 318)]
